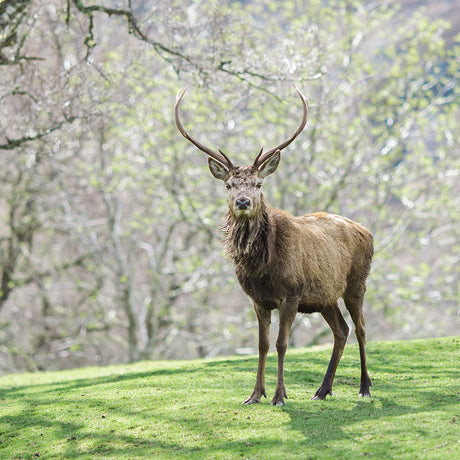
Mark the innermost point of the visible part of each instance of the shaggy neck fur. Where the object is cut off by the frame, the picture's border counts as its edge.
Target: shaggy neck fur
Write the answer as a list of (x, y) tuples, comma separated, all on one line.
[(247, 240)]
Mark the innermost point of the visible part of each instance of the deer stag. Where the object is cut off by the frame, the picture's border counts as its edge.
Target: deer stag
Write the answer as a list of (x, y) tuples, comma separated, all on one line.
[(293, 264)]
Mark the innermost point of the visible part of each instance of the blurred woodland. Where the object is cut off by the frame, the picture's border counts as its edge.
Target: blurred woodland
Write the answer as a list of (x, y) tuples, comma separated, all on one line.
[(110, 241)]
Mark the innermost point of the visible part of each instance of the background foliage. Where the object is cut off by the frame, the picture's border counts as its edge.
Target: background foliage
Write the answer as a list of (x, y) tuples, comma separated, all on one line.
[(109, 220)]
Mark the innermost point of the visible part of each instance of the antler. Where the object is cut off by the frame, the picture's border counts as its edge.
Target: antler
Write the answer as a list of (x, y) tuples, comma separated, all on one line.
[(263, 157), (220, 157)]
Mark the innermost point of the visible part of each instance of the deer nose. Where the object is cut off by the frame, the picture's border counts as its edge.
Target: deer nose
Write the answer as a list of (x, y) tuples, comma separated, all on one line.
[(243, 203)]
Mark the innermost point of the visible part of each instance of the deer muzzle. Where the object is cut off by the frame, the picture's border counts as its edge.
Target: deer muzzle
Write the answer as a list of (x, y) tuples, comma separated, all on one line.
[(242, 206), (243, 203)]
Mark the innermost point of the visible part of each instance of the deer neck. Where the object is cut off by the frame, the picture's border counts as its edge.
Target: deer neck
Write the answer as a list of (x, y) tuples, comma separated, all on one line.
[(248, 240)]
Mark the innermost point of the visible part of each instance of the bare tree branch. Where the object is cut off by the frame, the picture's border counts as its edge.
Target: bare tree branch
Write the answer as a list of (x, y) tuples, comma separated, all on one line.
[(168, 53), (11, 144), (133, 28)]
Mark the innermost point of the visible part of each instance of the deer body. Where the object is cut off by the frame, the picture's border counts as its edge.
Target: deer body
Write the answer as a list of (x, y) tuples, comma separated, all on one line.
[(268, 276), (293, 264)]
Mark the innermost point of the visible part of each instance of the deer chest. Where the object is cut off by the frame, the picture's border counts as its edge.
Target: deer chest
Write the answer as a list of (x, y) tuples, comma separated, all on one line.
[(267, 292)]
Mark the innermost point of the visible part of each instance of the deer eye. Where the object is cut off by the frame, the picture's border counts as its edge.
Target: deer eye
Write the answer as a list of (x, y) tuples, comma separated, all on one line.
[(228, 186), (259, 185)]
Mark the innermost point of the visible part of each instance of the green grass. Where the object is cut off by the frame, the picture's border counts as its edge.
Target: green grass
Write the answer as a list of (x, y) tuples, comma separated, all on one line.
[(192, 409)]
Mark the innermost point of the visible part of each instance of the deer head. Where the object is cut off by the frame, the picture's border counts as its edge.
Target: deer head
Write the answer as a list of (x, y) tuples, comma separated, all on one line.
[(242, 182)]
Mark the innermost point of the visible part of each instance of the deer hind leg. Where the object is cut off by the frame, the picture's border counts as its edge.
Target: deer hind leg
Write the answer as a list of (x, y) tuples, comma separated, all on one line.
[(264, 319), (340, 329), (354, 304)]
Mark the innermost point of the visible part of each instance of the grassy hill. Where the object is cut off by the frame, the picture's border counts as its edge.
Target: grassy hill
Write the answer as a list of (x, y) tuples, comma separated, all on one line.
[(192, 409)]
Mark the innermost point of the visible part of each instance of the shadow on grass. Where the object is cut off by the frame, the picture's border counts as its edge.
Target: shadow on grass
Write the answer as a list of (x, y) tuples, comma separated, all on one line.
[(377, 426), (135, 421), (18, 391), (63, 412), (409, 387)]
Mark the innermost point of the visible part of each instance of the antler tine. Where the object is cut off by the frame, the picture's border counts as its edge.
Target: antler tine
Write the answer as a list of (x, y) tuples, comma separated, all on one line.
[(220, 157), (262, 158), (230, 164), (256, 161)]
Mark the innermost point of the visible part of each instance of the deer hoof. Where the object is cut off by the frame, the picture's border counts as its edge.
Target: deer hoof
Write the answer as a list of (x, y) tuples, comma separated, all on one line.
[(364, 389), (278, 399), (278, 403), (254, 399), (365, 395), (320, 395)]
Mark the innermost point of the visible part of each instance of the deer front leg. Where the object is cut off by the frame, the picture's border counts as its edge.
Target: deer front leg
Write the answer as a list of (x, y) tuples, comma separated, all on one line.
[(288, 312), (264, 319)]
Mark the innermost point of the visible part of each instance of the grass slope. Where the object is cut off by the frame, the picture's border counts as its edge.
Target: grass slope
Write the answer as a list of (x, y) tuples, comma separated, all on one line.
[(192, 409)]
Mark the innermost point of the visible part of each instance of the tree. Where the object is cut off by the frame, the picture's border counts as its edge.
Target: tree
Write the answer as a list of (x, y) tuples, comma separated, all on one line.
[(109, 241)]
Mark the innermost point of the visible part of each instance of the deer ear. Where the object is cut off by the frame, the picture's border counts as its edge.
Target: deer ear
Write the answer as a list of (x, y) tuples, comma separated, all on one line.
[(269, 167), (217, 169)]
